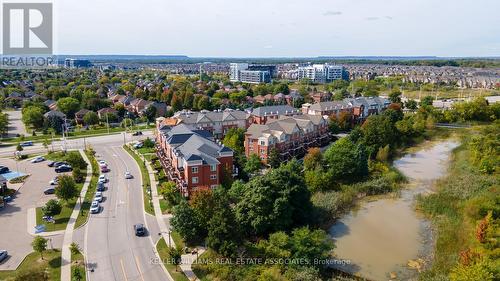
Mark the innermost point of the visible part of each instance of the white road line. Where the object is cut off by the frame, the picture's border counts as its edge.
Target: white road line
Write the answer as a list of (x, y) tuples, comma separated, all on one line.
[(123, 269)]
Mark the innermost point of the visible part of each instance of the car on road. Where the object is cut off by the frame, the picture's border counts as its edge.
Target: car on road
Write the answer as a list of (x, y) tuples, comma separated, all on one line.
[(138, 133), (50, 190), (139, 229), (63, 169), (138, 145), (103, 179), (37, 159), (55, 181), (4, 169), (102, 163), (128, 175), (3, 255), (100, 186), (95, 207), (26, 143), (104, 169), (98, 196)]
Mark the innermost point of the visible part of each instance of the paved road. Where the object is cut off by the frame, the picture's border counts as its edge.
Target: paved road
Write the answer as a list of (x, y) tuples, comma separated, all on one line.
[(16, 125), (77, 143), (14, 236), (111, 246)]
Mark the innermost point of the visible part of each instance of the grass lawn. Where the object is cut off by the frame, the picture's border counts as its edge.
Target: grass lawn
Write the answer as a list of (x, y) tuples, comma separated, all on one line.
[(198, 268), (51, 262), (148, 207), (61, 220), (77, 261), (84, 211), (177, 239), (175, 272)]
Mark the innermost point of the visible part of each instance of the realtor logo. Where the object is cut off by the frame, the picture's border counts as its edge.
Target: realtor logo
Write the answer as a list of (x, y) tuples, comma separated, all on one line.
[(27, 29)]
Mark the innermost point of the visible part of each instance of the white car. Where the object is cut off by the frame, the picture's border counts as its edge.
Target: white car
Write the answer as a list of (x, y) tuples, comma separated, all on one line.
[(128, 175), (102, 163), (138, 145), (94, 207), (55, 181), (102, 179), (37, 159), (98, 196)]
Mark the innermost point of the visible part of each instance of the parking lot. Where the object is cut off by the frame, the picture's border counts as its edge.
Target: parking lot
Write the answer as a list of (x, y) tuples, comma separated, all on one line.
[(14, 235)]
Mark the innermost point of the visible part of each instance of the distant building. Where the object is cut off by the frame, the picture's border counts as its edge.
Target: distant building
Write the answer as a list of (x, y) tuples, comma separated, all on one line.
[(243, 72), (77, 63), (191, 158), (322, 73), (360, 108)]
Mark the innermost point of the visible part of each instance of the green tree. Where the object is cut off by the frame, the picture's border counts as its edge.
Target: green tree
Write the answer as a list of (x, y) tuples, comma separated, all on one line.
[(19, 147), (74, 248), (274, 158), (33, 116), (185, 222), (175, 255), (427, 101), (313, 158), (67, 188), (202, 202), (75, 159), (253, 164), (378, 131), (51, 208), (77, 274), (39, 245), (78, 175), (310, 244), (347, 161), (411, 105), (150, 113), (68, 106), (395, 96), (91, 118), (223, 232), (317, 179), (234, 139), (168, 190)]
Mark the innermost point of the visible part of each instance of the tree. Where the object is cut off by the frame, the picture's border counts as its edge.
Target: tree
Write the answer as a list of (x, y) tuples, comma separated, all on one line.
[(54, 123), (426, 101), (411, 105), (169, 191), (19, 147), (176, 103), (313, 158), (67, 188), (185, 222), (91, 118), (78, 175), (33, 273), (51, 208), (33, 116), (39, 245), (234, 139), (395, 96), (75, 159), (378, 131), (175, 255), (202, 202), (223, 231), (77, 274), (274, 158), (68, 106), (74, 248), (310, 245), (253, 164), (383, 153), (150, 113), (347, 161), (317, 179)]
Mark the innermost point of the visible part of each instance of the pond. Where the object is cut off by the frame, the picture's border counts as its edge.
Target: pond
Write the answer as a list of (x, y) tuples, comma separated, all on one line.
[(383, 236)]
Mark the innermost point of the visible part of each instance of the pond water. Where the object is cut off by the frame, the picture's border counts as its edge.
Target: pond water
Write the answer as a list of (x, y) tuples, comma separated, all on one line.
[(382, 236)]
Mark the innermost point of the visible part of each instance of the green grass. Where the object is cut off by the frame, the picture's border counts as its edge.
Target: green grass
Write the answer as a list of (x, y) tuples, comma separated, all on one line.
[(176, 237), (77, 261), (84, 211), (61, 220), (51, 262), (176, 273), (148, 207)]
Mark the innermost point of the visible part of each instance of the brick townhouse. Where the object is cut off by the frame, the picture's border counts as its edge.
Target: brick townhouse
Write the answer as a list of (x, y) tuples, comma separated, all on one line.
[(217, 122), (192, 158), (360, 107), (263, 114), (290, 135)]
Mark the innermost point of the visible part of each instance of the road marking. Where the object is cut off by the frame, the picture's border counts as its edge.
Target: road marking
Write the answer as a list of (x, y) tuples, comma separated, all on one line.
[(138, 267), (123, 269)]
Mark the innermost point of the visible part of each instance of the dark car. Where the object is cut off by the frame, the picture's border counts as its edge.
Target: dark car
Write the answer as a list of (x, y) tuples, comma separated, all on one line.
[(60, 163), (139, 229), (50, 190), (63, 169), (3, 255), (51, 163), (100, 186), (138, 133), (4, 169), (27, 143)]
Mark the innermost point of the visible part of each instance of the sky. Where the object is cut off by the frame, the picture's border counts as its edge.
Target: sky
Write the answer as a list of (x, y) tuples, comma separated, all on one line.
[(278, 28)]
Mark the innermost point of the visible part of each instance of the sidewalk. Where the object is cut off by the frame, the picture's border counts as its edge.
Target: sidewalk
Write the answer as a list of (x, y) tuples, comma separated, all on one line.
[(32, 223), (68, 235)]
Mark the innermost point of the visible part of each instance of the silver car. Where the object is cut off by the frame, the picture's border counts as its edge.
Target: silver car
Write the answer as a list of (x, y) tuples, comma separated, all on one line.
[(95, 207), (98, 196)]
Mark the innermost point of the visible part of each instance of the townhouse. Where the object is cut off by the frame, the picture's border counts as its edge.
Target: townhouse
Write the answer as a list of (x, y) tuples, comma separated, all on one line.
[(290, 135), (192, 158), (263, 114), (217, 122), (360, 107)]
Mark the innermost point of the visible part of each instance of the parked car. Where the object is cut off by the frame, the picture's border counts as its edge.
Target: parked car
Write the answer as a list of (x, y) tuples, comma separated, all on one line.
[(27, 143), (63, 169), (100, 186), (95, 207), (139, 229), (37, 159), (104, 169), (103, 179), (3, 255), (128, 175), (102, 163), (138, 133), (50, 190), (4, 170), (98, 196), (55, 181), (138, 145), (60, 163), (51, 163)]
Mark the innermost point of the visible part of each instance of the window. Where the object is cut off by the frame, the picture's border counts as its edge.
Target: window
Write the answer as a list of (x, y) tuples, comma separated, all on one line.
[(195, 180), (194, 169), (262, 151), (213, 186), (213, 177), (213, 168), (262, 143)]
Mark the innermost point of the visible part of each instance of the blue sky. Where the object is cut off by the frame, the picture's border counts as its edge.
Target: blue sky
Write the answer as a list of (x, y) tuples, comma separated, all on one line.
[(273, 28)]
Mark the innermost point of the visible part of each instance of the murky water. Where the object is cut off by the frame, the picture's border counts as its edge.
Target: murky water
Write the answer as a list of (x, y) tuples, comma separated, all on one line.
[(383, 235)]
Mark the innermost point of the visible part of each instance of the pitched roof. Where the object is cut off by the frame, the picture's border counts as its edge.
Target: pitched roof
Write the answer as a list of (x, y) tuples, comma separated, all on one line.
[(274, 110)]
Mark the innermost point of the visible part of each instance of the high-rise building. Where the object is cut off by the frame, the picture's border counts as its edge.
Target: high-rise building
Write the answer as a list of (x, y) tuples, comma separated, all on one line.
[(243, 72), (76, 63), (322, 73)]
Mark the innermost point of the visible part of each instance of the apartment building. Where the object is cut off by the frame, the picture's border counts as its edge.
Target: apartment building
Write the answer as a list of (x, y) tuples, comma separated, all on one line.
[(322, 73), (192, 158), (263, 114), (243, 72), (290, 135), (360, 107), (217, 122)]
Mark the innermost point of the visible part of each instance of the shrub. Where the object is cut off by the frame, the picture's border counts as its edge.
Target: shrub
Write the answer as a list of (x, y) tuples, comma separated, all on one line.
[(51, 208)]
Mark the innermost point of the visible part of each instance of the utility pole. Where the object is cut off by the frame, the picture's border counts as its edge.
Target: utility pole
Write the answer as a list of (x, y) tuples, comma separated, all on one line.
[(107, 121)]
